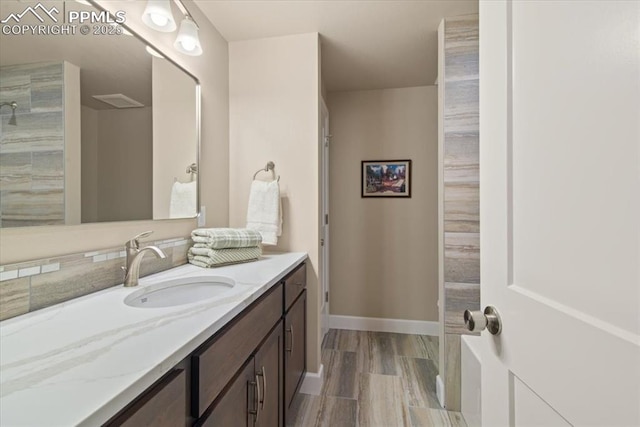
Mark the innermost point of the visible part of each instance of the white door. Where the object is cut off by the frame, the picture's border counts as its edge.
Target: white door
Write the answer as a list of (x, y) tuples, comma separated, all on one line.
[(326, 137), (560, 211)]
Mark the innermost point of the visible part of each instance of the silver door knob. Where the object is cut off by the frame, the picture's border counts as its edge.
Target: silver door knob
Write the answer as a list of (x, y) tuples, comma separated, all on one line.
[(477, 321)]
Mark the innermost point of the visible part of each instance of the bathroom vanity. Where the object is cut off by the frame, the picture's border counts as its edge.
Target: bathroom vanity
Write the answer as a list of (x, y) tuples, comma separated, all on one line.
[(234, 360)]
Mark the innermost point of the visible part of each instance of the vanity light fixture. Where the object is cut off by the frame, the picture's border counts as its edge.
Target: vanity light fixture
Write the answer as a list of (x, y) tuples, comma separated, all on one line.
[(158, 16), (152, 51), (188, 41)]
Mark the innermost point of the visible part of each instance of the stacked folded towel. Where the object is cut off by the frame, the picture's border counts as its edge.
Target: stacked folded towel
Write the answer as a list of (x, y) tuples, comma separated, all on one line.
[(214, 247)]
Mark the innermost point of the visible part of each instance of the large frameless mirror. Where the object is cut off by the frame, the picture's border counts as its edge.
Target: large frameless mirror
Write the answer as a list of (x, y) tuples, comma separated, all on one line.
[(93, 126)]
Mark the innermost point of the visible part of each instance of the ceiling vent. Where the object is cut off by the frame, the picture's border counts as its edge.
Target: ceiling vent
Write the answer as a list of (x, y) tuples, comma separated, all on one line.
[(118, 100)]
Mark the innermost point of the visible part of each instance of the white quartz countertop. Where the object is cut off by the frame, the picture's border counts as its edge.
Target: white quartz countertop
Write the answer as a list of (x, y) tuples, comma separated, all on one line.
[(80, 362)]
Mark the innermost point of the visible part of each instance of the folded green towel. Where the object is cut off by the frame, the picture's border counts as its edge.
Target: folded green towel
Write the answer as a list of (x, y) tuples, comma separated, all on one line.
[(204, 257), (226, 238)]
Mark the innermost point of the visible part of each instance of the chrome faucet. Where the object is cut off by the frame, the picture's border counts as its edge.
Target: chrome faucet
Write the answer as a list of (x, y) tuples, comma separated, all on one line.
[(134, 258)]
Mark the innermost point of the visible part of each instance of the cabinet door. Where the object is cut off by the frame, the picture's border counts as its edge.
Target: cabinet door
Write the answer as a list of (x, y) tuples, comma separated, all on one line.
[(295, 341), (269, 370), (233, 408), (162, 405)]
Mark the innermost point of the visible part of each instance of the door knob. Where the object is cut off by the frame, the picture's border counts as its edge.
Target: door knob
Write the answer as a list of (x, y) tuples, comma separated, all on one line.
[(477, 321)]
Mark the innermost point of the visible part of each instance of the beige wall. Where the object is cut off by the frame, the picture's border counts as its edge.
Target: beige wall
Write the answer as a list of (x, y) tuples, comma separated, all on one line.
[(72, 144), (383, 259), (89, 154), (124, 164), (174, 131), (20, 244), (273, 101)]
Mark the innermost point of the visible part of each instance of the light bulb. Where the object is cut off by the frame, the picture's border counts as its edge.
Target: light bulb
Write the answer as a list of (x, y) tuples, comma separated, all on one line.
[(157, 15), (159, 20), (187, 41), (188, 44)]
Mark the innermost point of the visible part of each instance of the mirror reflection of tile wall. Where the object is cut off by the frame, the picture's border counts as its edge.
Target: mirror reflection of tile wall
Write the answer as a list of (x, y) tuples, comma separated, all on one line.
[(32, 152)]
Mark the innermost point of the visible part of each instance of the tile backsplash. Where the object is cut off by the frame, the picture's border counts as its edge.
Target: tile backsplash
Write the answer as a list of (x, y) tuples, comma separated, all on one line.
[(32, 285)]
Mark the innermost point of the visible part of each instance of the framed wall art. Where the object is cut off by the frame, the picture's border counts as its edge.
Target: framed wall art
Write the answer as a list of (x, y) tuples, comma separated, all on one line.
[(386, 178)]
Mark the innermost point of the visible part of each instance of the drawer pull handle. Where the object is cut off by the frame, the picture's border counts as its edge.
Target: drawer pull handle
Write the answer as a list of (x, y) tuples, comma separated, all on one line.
[(264, 387), (290, 330), (256, 412)]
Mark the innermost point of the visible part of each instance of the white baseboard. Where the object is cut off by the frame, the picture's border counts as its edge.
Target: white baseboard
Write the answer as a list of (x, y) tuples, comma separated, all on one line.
[(440, 390), (312, 383), (384, 325)]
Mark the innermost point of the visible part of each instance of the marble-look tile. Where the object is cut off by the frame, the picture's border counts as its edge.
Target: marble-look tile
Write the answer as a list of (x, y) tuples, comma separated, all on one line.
[(151, 265), (379, 359), (47, 87), (68, 283), (459, 297), (74, 275), (35, 132), (452, 371), (323, 411), (14, 297), (22, 208), (462, 157), (346, 340), (461, 47), (47, 170), (337, 412), (15, 172), (341, 378), (419, 378), (462, 207), (8, 275), (427, 417), (461, 106), (381, 399), (15, 86), (303, 410), (410, 345), (180, 254), (462, 257)]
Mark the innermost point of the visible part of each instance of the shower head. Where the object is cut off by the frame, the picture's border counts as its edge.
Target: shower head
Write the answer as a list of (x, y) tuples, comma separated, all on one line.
[(13, 105)]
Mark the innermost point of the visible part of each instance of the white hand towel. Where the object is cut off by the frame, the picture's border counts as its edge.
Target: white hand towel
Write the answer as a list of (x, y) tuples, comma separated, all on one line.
[(264, 213), (183, 200)]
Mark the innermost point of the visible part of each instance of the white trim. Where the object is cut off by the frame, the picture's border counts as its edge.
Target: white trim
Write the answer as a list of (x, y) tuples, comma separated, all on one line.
[(440, 390), (384, 325), (312, 383)]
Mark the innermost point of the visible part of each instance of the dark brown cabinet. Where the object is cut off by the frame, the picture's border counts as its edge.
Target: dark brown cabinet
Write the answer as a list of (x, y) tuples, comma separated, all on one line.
[(269, 379), (233, 407), (295, 333), (162, 405), (295, 358), (254, 396), (245, 375)]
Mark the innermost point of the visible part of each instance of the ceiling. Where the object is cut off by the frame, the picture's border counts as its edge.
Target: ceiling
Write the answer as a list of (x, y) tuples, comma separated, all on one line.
[(108, 64), (366, 44)]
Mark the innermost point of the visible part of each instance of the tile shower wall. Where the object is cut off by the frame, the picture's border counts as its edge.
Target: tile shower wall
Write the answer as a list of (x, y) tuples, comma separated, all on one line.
[(461, 191), (32, 152), (32, 285)]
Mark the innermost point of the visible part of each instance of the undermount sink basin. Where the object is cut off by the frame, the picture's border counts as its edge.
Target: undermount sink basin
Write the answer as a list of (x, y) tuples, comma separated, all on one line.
[(185, 290)]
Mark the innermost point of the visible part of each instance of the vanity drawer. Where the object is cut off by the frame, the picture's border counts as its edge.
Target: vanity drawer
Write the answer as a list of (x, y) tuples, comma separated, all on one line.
[(214, 365), (164, 405), (294, 284)]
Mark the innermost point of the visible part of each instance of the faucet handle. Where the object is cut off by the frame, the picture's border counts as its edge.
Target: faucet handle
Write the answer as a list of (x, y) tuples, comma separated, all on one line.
[(135, 242)]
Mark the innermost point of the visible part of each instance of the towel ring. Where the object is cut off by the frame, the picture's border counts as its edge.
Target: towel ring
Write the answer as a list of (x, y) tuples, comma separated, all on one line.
[(269, 167)]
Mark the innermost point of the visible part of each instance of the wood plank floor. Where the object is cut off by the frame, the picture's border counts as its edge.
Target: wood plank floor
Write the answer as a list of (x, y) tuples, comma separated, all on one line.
[(376, 379)]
